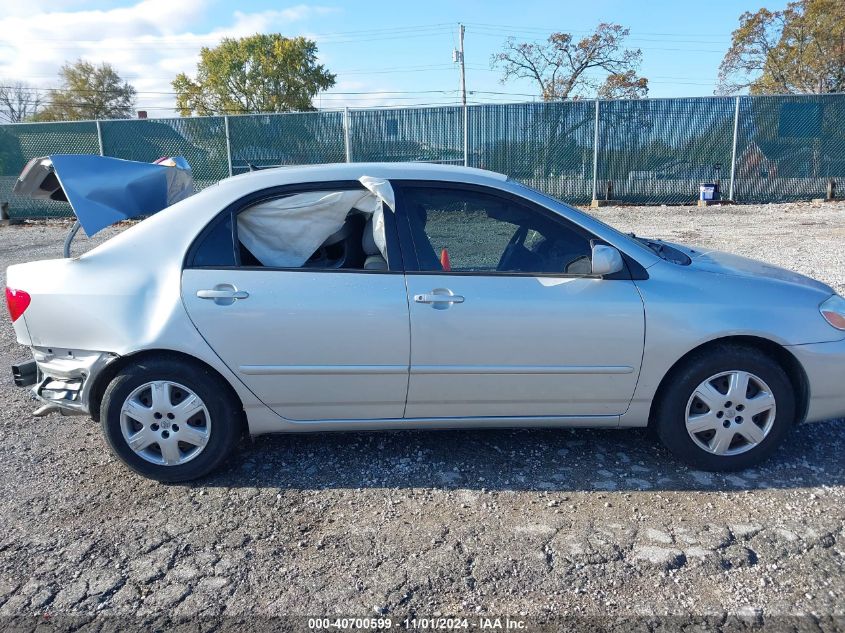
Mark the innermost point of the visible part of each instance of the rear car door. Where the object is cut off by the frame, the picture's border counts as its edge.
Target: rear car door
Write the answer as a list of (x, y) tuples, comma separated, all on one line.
[(506, 319), (326, 339)]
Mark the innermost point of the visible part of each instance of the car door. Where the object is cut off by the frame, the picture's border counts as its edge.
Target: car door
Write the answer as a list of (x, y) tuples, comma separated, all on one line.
[(326, 340), (506, 319)]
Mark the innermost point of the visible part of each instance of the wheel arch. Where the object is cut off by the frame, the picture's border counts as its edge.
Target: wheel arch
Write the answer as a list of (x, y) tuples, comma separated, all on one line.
[(793, 368), (104, 378)]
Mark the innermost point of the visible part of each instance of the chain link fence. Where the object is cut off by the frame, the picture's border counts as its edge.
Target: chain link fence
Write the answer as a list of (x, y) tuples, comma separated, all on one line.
[(650, 151)]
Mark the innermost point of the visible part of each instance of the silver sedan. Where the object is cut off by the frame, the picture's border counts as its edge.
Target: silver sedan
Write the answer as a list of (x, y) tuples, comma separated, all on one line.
[(392, 296)]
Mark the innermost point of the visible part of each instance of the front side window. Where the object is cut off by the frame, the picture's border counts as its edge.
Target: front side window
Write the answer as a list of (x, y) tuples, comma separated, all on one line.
[(457, 230)]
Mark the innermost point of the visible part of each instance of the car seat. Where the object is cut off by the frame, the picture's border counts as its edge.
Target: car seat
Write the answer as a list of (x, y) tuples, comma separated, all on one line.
[(343, 248), (374, 258)]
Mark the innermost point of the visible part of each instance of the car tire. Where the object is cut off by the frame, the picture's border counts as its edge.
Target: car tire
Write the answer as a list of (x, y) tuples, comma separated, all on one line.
[(703, 416), (181, 417)]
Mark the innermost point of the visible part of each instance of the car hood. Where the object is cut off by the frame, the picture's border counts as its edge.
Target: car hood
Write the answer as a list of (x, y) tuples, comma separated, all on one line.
[(102, 190), (721, 263)]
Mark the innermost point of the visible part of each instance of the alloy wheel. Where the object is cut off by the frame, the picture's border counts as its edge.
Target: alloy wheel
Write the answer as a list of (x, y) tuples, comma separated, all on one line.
[(165, 423), (730, 413)]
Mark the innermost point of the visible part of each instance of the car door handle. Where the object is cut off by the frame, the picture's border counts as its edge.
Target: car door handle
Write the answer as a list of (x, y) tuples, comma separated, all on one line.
[(222, 294), (436, 298)]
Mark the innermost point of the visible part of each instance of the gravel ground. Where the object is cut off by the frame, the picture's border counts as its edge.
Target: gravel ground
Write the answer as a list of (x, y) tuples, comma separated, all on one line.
[(531, 524)]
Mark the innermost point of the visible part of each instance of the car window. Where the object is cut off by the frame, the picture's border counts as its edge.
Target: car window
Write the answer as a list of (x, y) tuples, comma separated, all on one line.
[(469, 231), (216, 247), (341, 229)]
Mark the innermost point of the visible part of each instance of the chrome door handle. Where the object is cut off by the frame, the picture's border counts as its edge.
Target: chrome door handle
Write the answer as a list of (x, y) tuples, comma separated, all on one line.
[(439, 298), (223, 294), (430, 298)]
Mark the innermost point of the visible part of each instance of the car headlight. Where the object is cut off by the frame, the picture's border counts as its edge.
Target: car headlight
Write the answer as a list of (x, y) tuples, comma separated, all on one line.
[(833, 311)]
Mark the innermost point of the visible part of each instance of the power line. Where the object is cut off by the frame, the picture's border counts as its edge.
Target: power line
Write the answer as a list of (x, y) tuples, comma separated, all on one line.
[(117, 91), (391, 32), (644, 48), (442, 26), (356, 71), (515, 29), (128, 46)]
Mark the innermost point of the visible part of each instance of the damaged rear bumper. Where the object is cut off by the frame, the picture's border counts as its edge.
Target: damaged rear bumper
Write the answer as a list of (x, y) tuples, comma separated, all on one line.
[(25, 374), (62, 378)]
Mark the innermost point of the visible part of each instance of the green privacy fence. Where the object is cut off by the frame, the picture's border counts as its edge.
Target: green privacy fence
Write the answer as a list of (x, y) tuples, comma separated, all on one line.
[(654, 151)]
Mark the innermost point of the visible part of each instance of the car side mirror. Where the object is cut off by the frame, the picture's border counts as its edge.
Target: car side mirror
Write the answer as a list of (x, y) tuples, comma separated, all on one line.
[(606, 260)]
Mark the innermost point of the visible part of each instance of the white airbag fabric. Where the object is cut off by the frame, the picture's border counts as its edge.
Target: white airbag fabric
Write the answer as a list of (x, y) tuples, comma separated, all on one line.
[(381, 188), (285, 232), (384, 191)]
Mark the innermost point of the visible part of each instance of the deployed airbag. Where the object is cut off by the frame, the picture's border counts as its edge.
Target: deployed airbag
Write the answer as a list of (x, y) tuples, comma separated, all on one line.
[(285, 232)]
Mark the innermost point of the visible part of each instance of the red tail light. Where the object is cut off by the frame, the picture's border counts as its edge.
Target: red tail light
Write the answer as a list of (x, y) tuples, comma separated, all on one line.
[(18, 301)]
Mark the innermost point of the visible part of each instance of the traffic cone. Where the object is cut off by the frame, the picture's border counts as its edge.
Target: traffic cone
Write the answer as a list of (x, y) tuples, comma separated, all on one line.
[(445, 264)]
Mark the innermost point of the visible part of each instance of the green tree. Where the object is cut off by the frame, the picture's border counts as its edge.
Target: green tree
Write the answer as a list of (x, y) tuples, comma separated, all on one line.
[(798, 50), (563, 68), (89, 92), (259, 73)]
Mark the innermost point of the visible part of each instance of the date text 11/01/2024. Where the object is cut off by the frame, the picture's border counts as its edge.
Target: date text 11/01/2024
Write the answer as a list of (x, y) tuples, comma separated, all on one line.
[(434, 623)]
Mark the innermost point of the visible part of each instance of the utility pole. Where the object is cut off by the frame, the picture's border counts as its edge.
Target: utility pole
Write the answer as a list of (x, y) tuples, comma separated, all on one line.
[(460, 59), (458, 56)]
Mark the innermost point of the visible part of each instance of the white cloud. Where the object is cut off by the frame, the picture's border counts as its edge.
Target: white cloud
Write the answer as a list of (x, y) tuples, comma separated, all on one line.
[(148, 43)]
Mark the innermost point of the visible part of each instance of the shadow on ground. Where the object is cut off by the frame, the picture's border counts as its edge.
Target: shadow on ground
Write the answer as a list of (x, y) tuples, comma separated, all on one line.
[(518, 460)]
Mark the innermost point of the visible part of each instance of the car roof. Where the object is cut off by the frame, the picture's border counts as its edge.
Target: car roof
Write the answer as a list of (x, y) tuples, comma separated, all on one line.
[(354, 171)]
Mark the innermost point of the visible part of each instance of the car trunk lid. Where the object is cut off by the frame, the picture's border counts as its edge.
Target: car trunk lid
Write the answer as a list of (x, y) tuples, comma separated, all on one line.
[(102, 190)]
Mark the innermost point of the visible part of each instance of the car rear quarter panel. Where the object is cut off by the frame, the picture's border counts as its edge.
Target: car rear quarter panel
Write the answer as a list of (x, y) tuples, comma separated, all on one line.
[(117, 300)]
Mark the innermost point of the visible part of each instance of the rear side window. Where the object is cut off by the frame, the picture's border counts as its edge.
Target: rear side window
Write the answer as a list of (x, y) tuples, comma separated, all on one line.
[(342, 229), (216, 249), (323, 229)]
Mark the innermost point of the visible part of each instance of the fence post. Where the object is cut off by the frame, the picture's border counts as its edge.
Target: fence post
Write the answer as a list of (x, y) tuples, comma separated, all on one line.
[(346, 144), (596, 152), (228, 143), (733, 151), (466, 135), (99, 136)]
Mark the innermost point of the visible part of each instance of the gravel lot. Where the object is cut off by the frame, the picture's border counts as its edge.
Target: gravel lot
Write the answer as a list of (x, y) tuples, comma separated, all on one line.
[(531, 524)]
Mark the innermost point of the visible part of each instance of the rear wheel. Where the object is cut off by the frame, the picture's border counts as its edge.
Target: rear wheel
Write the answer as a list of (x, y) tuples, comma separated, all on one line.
[(169, 420), (726, 409)]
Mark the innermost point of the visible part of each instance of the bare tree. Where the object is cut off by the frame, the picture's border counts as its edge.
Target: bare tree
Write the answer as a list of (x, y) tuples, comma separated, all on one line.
[(597, 65), (797, 50), (19, 101)]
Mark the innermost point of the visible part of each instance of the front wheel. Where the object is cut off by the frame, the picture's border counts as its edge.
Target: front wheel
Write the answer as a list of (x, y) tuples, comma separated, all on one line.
[(170, 420), (726, 409)]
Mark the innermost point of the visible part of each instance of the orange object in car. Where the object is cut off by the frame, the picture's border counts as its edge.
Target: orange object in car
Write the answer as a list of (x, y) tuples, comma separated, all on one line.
[(445, 264)]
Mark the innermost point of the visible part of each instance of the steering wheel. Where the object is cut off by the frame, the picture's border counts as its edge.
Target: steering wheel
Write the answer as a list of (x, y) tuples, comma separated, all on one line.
[(516, 241)]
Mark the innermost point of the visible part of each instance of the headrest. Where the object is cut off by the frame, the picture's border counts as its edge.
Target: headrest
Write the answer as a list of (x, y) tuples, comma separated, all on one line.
[(368, 242), (338, 236)]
